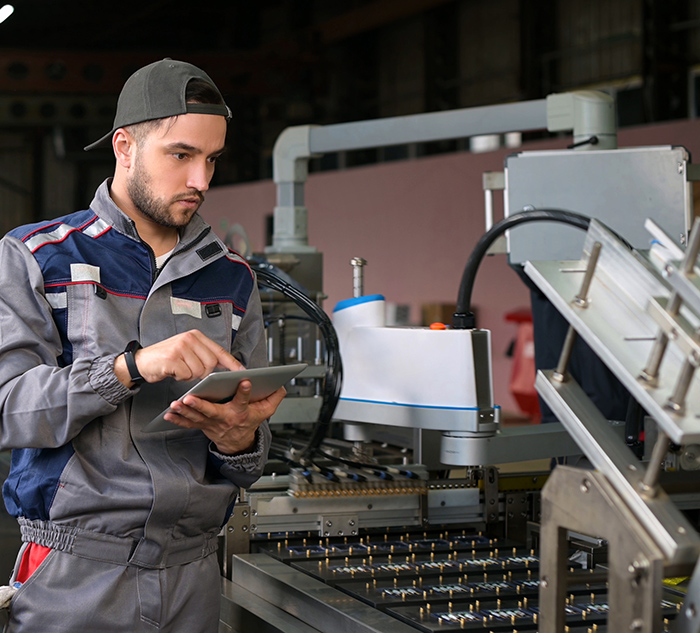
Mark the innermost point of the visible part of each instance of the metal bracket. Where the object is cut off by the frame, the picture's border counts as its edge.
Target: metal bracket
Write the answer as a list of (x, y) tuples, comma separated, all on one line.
[(338, 524), (493, 181), (516, 511), (236, 536), (491, 510), (585, 501)]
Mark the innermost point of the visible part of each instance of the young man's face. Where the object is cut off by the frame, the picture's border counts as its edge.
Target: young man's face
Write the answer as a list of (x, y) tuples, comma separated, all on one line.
[(173, 167)]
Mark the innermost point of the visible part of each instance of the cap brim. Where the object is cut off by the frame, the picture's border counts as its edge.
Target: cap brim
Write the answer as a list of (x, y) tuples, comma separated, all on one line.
[(105, 141)]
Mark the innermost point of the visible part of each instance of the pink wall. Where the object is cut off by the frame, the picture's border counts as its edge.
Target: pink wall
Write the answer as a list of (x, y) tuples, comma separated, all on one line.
[(415, 222)]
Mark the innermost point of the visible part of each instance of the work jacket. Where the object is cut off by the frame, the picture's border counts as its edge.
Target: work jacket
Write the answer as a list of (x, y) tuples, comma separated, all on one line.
[(73, 292)]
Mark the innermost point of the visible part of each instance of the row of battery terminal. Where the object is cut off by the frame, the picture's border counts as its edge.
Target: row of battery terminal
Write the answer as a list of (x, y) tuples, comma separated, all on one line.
[(523, 614), (365, 545), (320, 481), (415, 563)]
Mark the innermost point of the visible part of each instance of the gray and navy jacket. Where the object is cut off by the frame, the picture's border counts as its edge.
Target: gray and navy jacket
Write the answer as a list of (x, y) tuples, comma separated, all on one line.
[(73, 292)]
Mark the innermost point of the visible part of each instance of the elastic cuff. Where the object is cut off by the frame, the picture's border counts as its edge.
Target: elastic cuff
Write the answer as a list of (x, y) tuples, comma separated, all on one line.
[(244, 458), (105, 382)]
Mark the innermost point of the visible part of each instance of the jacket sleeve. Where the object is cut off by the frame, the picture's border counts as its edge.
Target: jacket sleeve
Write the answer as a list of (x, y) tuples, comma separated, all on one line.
[(43, 405), (249, 347)]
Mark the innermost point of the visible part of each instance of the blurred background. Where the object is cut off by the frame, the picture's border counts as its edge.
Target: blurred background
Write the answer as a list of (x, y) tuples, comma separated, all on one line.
[(282, 63)]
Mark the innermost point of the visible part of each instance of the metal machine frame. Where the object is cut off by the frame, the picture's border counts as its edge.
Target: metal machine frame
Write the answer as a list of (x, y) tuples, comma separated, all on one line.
[(620, 502)]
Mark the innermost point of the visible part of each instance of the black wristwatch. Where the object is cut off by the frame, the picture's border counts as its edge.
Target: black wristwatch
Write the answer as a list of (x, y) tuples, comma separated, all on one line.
[(131, 349)]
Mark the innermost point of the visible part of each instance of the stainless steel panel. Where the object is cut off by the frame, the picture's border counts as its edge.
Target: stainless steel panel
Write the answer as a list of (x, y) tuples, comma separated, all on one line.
[(305, 599), (617, 327), (666, 525), (621, 188)]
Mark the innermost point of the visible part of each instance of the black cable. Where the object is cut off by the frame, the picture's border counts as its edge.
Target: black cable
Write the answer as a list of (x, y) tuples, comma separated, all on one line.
[(464, 317), (389, 470), (334, 374), (593, 140)]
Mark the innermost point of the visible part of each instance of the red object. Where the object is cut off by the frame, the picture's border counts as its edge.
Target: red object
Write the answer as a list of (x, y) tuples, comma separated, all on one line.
[(33, 556), (438, 326), (522, 377)]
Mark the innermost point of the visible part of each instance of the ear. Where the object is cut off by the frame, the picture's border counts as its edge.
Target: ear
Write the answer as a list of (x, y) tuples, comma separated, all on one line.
[(124, 146)]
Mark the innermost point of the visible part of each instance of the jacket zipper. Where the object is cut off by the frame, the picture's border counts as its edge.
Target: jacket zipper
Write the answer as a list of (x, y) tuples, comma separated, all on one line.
[(152, 255)]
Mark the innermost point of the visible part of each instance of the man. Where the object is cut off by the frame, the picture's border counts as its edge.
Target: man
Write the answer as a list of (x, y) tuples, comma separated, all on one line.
[(104, 316)]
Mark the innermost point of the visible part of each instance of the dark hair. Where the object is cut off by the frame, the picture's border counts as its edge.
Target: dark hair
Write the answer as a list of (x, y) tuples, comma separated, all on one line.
[(198, 91), (201, 91)]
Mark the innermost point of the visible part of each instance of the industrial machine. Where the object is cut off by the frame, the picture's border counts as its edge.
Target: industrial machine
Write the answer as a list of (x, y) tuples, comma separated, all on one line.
[(384, 509)]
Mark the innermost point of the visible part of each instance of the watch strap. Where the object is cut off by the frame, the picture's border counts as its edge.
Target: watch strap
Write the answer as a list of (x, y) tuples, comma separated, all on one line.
[(131, 348)]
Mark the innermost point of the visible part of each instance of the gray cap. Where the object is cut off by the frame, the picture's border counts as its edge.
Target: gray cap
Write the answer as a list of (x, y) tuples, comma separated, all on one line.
[(157, 91)]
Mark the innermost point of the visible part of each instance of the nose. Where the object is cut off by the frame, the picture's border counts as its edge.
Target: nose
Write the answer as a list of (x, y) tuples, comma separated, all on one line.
[(200, 174)]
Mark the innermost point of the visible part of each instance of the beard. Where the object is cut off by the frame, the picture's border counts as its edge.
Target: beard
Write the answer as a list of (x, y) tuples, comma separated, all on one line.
[(157, 209)]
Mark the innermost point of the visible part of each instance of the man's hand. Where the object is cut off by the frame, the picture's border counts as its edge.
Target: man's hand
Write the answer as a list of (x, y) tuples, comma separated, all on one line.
[(191, 356), (231, 426), (187, 356)]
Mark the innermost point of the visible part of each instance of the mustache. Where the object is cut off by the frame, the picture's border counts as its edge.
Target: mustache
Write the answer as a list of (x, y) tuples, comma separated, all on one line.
[(188, 196)]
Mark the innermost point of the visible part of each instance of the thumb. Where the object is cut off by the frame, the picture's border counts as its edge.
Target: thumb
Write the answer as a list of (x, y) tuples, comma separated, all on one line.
[(243, 393)]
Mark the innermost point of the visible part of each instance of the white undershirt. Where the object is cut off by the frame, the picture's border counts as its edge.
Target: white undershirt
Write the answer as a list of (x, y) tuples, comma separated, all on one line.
[(161, 259)]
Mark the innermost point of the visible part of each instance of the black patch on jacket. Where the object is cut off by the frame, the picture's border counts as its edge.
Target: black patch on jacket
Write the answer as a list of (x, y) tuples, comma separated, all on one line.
[(213, 310), (209, 251)]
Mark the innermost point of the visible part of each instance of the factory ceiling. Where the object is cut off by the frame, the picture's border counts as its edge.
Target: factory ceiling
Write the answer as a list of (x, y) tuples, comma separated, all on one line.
[(77, 46)]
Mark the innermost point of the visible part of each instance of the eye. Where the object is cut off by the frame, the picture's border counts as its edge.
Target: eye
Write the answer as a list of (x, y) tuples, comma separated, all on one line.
[(213, 159), (180, 155)]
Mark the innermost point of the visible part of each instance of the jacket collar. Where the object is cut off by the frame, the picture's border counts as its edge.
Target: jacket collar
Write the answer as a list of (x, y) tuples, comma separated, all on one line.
[(103, 205)]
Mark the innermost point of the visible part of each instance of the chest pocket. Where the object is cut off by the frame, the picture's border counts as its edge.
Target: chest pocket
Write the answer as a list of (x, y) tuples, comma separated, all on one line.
[(215, 320), (99, 322)]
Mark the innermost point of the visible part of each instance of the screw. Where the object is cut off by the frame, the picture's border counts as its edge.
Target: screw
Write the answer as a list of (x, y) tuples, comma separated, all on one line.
[(357, 264), (230, 528), (329, 523)]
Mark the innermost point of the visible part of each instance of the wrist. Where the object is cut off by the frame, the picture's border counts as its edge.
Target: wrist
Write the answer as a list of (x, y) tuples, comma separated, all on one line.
[(241, 447), (122, 370), (130, 361)]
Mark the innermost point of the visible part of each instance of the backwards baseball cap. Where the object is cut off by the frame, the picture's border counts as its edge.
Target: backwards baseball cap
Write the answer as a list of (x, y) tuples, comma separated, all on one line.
[(157, 91)]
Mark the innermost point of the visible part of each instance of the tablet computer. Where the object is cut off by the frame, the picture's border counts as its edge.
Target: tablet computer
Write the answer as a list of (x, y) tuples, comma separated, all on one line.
[(221, 386)]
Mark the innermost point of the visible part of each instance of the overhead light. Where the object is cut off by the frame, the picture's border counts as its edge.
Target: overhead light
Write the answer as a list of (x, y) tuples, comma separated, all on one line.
[(5, 12)]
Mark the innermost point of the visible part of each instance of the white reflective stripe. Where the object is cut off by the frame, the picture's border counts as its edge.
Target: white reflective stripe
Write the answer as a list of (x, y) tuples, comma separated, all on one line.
[(57, 300), (60, 232), (236, 322), (185, 306), (56, 235), (235, 257), (84, 272), (97, 227)]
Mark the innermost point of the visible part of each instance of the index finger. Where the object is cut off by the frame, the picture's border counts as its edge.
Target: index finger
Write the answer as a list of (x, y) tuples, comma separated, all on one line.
[(224, 358)]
